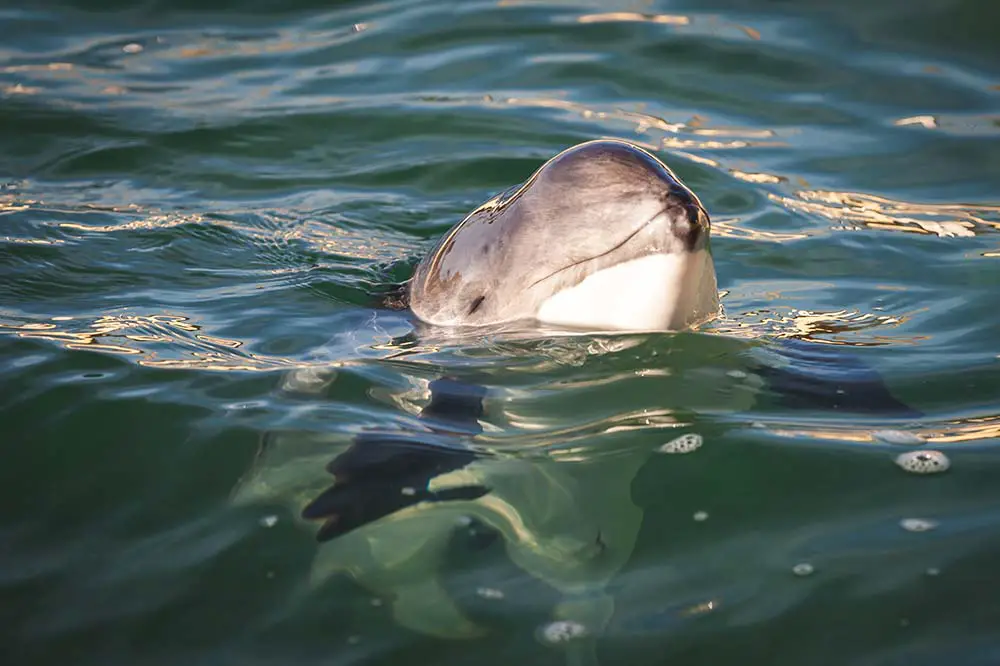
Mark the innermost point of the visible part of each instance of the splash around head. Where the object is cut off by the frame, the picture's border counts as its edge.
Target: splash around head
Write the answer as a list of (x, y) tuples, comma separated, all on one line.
[(602, 237)]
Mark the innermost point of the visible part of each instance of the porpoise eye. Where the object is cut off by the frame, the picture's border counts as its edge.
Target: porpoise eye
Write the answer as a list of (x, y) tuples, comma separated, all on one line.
[(476, 303)]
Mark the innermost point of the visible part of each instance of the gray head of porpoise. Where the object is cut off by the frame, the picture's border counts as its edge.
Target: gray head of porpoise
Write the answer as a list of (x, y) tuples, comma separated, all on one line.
[(595, 206)]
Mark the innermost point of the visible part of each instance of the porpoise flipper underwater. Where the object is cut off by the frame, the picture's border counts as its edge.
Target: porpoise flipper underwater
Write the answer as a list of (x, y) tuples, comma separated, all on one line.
[(384, 472), (820, 377)]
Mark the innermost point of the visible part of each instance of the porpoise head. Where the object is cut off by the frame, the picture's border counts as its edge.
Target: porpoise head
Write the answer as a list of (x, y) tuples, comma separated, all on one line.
[(603, 236)]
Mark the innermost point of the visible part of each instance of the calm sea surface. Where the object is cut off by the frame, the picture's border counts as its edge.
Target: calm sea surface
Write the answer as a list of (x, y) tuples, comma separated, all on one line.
[(198, 199)]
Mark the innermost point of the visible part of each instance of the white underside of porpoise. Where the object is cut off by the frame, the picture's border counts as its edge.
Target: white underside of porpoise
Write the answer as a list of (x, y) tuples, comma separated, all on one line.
[(653, 293)]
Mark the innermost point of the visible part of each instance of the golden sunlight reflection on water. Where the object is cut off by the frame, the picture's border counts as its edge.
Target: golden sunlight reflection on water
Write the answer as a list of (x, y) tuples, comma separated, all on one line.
[(161, 340), (971, 124), (848, 210), (857, 210), (264, 228), (953, 431), (851, 211), (837, 327), (670, 19), (154, 221), (641, 122)]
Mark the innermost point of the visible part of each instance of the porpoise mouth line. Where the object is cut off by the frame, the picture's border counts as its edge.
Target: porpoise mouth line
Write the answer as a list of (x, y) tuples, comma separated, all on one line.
[(602, 254)]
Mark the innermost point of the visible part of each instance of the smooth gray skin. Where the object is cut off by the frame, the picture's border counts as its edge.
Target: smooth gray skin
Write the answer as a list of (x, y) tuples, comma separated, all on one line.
[(596, 205)]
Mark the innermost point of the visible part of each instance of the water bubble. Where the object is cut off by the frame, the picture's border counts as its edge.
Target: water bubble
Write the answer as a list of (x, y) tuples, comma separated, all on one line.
[(353, 640), (562, 631), (489, 593), (899, 437), (933, 571), (737, 374), (924, 461), (683, 444), (376, 602), (132, 48), (803, 569), (700, 516), (269, 521), (917, 524), (463, 521), (408, 491)]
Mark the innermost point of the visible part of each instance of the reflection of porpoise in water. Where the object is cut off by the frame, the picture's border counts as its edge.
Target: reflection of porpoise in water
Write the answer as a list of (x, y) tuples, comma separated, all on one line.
[(603, 237)]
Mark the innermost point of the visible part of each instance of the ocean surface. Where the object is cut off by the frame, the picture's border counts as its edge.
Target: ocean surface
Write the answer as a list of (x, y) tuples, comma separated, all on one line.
[(201, 204)]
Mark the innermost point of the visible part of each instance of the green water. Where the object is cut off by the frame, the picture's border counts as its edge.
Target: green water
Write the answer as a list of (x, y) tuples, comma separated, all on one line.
[(197, 198)]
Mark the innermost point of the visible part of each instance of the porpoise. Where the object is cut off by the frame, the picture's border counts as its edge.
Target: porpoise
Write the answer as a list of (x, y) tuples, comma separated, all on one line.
[(602, 237)]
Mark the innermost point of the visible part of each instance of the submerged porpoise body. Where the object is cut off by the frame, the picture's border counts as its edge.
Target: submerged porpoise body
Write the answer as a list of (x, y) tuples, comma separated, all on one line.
[(602, 237)]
